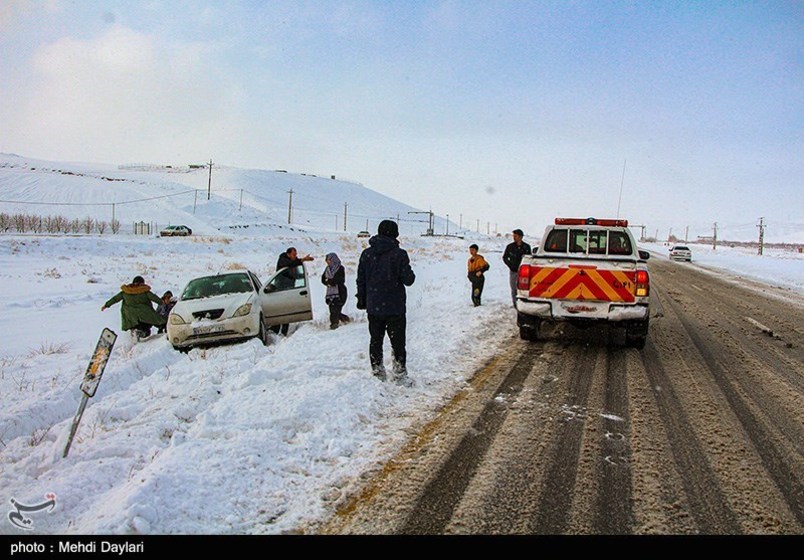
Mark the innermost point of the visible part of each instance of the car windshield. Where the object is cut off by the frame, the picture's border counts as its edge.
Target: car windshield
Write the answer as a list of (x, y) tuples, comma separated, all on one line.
[(209, 286)]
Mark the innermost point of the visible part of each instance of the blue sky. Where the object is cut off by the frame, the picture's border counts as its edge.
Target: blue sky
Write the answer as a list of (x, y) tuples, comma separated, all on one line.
[(504, 112)]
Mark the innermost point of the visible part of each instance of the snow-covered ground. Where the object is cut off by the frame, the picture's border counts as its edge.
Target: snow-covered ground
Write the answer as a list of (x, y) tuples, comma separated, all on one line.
[(242, 438)]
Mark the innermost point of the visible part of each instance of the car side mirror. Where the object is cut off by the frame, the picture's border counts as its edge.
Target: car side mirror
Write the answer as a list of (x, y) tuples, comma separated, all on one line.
[(269, 288), (644, 255)]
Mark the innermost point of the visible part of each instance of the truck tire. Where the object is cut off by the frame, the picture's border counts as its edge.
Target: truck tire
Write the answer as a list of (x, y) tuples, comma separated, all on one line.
[(636, 334), (529, 332), (635, 341)]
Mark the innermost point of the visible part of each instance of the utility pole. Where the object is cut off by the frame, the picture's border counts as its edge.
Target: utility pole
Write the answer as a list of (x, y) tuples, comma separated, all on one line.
[(345, 206), (195, 199), (290, 205), (478, 225), (447, 224), (460, 224), (488, 228), (241, 200), (686, 234), (669, 235), (209, 184), (714, 239), (761, 227)]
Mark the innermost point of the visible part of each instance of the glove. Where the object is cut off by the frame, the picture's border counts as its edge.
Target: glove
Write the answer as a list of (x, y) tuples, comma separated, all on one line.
[(361, 303)]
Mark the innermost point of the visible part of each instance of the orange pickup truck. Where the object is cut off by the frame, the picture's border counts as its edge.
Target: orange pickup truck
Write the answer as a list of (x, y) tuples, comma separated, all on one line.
[(585, 271)]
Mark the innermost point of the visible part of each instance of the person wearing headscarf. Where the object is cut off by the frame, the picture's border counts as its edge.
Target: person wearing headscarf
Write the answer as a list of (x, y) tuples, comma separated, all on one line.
[(137, 312), (334, 278)]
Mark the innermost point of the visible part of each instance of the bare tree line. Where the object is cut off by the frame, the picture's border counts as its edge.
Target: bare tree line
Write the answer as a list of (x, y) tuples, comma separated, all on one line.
[(33, 223)]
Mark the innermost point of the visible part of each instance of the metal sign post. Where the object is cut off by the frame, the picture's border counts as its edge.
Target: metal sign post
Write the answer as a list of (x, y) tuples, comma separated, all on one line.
[(92, 378)]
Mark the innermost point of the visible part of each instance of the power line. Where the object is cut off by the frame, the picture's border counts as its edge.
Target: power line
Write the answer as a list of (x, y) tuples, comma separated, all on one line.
[(95, 203)]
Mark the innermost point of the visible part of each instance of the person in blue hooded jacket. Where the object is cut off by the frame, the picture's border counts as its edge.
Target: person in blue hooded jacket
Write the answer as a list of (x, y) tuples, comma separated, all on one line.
[(382, 274)]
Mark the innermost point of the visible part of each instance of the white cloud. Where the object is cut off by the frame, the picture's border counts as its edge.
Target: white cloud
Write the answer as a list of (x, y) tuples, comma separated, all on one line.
[(128, 96)]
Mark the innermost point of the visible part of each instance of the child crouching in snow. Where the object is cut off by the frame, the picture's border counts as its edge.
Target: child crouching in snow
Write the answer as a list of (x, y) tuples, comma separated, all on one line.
[(164, 307), (137, 313)]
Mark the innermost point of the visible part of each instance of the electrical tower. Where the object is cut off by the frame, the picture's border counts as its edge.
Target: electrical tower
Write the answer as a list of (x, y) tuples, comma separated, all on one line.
[(430, 229)]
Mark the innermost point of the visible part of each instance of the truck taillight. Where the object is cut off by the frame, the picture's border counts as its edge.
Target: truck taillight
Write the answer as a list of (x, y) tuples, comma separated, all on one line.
[(642, 283), (523, 281)]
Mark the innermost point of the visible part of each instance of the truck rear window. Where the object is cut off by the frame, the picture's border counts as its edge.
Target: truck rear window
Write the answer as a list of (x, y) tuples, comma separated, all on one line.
[(592, 242), (556, 241), (619, 244)]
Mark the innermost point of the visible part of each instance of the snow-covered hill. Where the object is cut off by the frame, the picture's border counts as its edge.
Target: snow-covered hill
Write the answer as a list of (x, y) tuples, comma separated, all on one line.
[(240, 200)]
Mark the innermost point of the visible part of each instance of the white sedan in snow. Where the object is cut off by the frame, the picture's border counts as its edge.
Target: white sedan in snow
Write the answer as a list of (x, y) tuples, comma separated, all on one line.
[(236, 306)]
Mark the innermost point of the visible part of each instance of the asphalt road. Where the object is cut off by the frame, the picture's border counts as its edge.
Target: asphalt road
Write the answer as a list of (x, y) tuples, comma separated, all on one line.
[(701, 432)]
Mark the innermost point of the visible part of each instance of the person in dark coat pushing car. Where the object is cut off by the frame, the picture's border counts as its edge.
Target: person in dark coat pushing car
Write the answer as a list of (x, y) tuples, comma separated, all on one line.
[(382, 274)]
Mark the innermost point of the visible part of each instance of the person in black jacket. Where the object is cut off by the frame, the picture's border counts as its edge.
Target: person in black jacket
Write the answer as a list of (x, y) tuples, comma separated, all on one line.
[(382, 274), (512, 257), (334, 278), (289, 260)]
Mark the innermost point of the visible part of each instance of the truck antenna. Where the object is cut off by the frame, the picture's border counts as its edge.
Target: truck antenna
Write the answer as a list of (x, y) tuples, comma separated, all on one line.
[(622, 182)]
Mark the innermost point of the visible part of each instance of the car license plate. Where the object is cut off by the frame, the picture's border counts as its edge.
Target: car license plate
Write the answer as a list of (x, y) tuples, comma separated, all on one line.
[(207, 329)]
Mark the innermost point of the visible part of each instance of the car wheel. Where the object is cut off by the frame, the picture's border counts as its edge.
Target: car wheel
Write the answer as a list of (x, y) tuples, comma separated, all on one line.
[(263, 336)]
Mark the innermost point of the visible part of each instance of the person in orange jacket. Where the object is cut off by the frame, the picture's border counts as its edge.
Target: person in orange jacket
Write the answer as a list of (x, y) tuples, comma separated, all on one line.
[(477, 267)]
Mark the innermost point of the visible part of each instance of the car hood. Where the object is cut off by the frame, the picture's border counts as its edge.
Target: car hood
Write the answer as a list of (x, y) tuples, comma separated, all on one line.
[(228, 302)]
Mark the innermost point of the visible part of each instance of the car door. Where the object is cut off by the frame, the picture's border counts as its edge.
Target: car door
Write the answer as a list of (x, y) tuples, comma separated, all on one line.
[(286, 297)]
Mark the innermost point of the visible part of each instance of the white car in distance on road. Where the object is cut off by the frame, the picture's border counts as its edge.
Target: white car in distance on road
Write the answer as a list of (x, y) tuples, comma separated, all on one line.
[(680, 253)]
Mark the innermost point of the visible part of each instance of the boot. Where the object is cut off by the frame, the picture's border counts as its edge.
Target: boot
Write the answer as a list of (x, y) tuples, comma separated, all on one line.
[(400, 375), (379, 372)]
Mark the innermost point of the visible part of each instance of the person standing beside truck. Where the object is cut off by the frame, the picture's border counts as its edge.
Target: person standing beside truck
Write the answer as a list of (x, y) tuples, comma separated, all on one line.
[(512, 257)]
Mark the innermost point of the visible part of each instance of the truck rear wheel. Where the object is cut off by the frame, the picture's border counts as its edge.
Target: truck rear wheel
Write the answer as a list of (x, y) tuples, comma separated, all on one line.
[(636, 334), (529, 331)]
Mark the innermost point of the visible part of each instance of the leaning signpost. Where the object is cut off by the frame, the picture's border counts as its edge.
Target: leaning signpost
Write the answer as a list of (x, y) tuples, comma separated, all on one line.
[(92, 378)]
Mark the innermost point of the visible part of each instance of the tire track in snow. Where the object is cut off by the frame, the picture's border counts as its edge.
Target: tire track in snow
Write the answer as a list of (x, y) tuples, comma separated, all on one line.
[(708, 504), (440, 497), (552, 515)]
